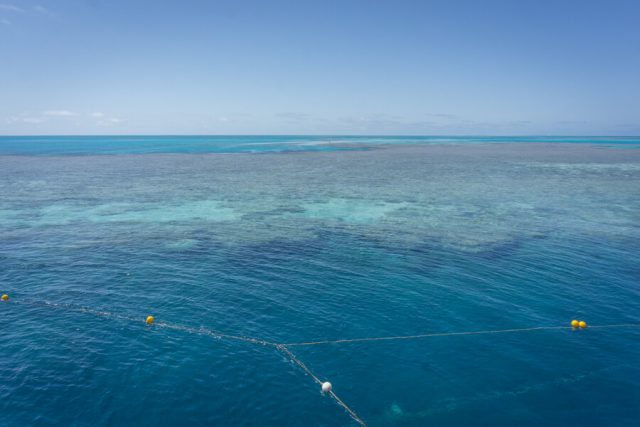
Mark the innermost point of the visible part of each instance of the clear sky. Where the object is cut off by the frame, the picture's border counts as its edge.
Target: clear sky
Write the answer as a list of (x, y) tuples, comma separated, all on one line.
[(512, 67)]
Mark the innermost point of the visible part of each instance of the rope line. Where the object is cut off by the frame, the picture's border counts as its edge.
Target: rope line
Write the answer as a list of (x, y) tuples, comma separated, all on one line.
[(448, 334), (427, 335), (76, 308), (284, 347), (215, 334), (197, 331)]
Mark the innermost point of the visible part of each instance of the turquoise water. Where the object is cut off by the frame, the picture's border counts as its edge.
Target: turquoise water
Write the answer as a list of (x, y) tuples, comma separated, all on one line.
[(88, 145), (292, 244)]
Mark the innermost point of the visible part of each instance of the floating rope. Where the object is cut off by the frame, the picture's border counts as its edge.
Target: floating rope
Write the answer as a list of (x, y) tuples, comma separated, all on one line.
[(284, 347), (215, 334), (450, 334), (164, 325), (427, 335)]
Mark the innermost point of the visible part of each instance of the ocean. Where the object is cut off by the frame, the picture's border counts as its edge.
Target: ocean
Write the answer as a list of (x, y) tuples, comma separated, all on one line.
[(474, 252)]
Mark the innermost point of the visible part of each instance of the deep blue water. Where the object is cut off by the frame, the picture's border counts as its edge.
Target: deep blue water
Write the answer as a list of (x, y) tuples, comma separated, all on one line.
[(292, 246)]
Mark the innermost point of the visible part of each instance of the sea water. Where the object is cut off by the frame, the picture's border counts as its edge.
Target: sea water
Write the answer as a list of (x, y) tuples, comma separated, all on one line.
[(292, 239)]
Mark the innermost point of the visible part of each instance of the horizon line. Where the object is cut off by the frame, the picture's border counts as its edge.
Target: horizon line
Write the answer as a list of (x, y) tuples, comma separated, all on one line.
[(327, 135)]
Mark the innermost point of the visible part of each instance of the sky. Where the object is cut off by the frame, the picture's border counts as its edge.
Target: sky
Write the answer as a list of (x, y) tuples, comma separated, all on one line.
[(429, 67)]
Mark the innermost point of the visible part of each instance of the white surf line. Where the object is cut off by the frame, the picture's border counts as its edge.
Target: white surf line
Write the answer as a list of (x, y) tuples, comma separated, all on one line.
[(448, 334), (283, 348)]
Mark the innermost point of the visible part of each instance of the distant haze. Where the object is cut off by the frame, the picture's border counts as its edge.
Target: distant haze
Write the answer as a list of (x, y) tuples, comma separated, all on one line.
[(320, 67)]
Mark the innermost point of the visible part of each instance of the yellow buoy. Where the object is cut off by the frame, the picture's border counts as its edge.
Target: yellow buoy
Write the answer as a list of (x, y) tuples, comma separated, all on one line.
[(575, 323), (582, 324), (5, 297), (150, 320)]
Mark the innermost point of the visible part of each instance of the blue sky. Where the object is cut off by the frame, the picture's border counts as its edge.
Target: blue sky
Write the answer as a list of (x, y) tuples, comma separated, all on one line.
[(320, 67)]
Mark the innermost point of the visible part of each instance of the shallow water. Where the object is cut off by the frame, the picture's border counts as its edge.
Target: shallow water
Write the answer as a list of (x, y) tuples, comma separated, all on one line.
[(140, 144), (389, 239)]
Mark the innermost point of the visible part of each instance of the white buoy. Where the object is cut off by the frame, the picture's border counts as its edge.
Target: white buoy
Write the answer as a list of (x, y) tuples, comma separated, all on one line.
[(326, 387)]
